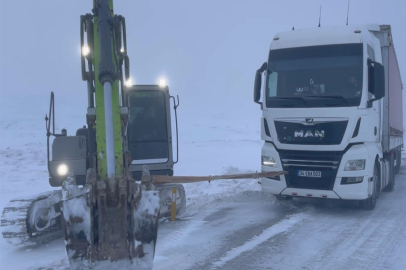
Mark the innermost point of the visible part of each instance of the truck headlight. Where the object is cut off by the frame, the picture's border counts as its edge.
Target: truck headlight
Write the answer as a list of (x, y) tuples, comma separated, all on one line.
[(268, 161), (62, 170), (355, 165)]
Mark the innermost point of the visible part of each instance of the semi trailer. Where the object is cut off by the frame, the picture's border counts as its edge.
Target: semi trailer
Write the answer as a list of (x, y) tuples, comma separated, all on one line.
[(332, 116)]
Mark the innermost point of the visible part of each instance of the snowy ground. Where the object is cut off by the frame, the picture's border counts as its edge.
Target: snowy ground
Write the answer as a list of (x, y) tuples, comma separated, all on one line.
[(228, 225)]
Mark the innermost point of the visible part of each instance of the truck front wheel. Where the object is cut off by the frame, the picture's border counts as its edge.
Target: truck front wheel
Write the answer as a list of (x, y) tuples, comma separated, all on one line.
[(398, 161), (391, 174), (370, 203)]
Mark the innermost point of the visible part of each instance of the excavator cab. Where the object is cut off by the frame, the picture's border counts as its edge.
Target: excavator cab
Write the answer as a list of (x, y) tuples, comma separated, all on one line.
[(68, 153), (149, 132), (148, 136)]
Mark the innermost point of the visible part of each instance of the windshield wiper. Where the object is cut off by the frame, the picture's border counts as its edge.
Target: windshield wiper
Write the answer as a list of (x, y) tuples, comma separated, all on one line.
[(332, 97), (294, 98)]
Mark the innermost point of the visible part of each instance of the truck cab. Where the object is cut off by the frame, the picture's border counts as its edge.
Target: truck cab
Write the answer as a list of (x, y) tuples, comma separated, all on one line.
[(324, 96)]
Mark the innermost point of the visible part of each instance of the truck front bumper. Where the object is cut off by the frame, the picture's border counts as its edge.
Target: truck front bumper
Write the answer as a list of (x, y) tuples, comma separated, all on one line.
[(336, 188)]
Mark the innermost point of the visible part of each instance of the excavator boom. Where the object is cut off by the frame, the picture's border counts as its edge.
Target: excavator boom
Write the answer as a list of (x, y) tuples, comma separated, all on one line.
[(112, 221)]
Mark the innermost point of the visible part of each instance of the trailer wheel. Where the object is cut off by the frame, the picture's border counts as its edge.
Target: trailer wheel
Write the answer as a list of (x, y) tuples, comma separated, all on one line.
[(370, 203), (282, 197), (391, 185)]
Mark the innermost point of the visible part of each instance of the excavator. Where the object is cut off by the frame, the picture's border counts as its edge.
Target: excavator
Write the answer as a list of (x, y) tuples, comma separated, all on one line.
[(116, 173)]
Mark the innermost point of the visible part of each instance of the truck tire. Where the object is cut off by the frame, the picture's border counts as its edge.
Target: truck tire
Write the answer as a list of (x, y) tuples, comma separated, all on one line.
[(398, 161), (391, 185), (370, 203), (282, 197)]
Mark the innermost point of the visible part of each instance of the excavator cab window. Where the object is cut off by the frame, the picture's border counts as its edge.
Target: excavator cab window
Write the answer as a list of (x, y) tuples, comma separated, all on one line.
[(147, 130)]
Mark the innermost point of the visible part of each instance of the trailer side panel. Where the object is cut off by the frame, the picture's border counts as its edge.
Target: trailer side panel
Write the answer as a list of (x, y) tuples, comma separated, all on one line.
[(395, 96)]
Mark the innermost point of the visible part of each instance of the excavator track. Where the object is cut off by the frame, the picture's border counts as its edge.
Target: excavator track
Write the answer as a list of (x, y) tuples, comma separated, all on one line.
[(23, 222), (33, 219), (37, 219)]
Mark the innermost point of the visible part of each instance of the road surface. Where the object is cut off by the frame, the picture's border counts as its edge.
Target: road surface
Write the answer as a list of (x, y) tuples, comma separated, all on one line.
[(253, 231)]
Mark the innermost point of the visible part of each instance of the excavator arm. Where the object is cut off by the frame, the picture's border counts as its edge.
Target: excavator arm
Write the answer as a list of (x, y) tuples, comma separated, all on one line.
[(112, 220)]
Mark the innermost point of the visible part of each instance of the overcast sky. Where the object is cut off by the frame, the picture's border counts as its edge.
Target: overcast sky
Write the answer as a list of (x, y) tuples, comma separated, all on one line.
[(208, 50)]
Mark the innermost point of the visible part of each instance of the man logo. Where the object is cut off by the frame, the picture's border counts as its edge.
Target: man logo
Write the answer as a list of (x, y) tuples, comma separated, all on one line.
[(309, 120), (309, 133)]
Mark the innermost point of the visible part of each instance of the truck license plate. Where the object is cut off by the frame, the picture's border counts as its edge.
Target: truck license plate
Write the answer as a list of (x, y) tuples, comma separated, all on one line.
[(309, 173)]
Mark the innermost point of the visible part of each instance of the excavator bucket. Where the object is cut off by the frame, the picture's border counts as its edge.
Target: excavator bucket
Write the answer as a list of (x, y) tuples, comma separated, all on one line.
[(77, 222), (110, 224)]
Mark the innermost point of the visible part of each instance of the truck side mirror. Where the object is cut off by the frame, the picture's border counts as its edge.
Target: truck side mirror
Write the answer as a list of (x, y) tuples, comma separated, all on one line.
[(376, 73), (258, 82), (376, 84), (379, 80)]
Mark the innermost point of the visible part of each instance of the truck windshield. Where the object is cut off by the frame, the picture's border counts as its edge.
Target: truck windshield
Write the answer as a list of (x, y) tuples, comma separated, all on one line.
[(318, 76), (147, 128)]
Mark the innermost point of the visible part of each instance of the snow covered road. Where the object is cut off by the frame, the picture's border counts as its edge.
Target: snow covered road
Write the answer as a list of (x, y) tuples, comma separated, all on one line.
[(211, 235), (252, 231), (228, 224)]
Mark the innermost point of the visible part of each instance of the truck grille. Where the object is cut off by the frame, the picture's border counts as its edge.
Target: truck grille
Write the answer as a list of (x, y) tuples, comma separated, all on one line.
[(325, 162), (321, 133)]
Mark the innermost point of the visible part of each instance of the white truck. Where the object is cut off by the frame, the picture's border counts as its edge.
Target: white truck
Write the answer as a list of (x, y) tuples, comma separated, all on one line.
[(331, 101)]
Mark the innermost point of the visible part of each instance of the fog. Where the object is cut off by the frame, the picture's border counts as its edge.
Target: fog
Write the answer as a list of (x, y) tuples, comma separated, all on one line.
[(208, 50)]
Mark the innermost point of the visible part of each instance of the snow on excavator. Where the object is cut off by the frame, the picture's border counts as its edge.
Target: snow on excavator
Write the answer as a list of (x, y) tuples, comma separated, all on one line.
[(116, 173)]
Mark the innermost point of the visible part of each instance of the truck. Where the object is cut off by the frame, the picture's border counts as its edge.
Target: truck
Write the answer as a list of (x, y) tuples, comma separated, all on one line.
[(332, 116)]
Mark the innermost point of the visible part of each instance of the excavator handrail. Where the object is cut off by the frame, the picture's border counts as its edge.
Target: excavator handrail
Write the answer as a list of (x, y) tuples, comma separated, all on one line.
[(175, 107), (48, 127)]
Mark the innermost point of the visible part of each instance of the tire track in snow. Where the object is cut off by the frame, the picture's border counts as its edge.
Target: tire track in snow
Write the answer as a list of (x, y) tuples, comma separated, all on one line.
[(267, 234), (225, 224), (367, 242), (340, 236), (179, 235)]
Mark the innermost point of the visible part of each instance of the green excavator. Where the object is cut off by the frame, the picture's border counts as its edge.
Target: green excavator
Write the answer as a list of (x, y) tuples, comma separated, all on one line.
[(108, 206), (116, 173)]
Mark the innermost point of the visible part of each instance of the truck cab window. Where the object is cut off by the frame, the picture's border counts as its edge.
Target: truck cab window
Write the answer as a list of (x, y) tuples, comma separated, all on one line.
[(371, 53), (272, 83), (319, 76)]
